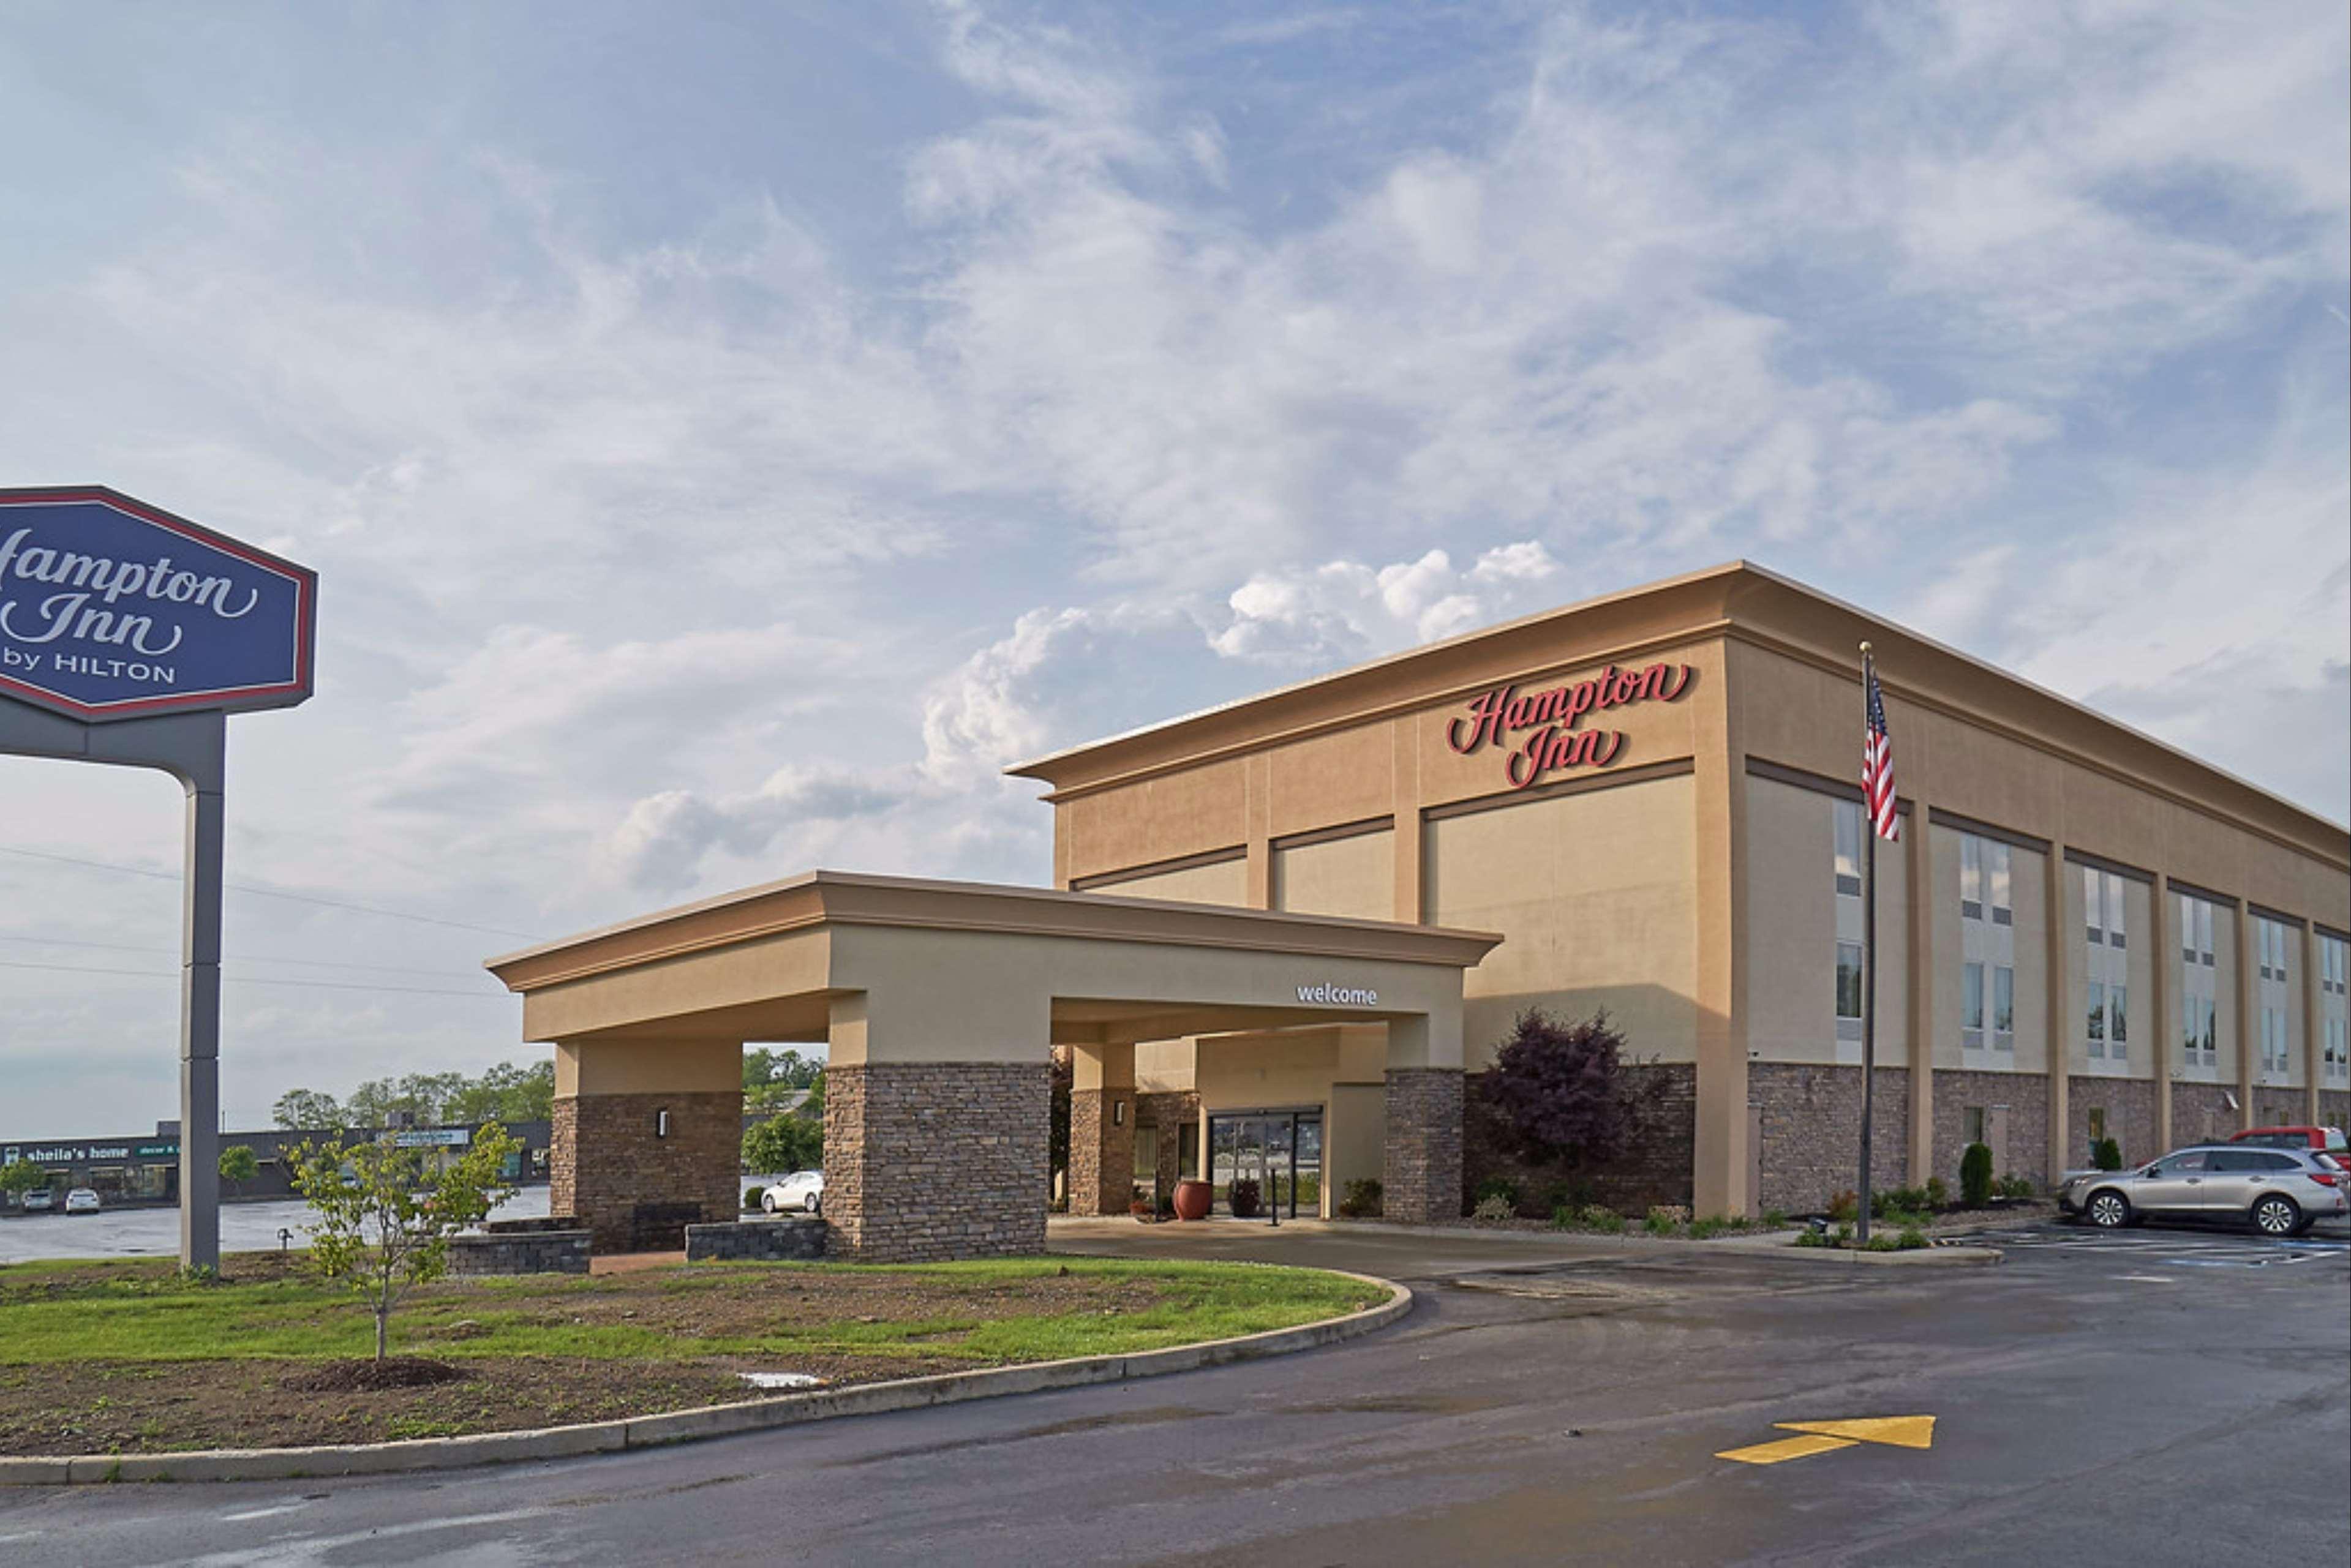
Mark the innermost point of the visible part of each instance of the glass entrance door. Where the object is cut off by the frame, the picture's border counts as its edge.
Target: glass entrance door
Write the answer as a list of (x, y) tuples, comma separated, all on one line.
[(1278, 1155)]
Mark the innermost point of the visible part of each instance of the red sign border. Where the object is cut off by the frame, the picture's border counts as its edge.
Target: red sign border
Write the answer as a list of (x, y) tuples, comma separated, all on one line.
[(306, 608)]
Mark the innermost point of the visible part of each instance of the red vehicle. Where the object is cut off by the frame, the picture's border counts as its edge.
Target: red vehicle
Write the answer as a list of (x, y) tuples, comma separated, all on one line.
[(2317, 1140)]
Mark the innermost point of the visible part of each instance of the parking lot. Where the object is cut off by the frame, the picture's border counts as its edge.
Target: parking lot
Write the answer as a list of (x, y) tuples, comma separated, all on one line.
[(1548, 1397)]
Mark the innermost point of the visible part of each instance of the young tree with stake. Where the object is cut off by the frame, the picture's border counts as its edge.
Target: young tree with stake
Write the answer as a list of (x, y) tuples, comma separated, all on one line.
[(385, 1219)]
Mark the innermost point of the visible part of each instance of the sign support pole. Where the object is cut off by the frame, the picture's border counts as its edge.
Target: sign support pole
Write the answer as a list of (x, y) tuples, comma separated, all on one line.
[(194, 749), (200, 995)]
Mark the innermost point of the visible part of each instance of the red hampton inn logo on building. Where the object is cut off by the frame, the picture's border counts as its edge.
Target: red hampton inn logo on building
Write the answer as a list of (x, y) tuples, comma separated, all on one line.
[(1552, 715)]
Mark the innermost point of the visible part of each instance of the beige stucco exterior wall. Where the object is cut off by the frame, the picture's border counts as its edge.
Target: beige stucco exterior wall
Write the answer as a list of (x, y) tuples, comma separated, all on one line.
[(1594, 895), (648, 1067), (1220, 882), (1792, 932), (1353, 876)]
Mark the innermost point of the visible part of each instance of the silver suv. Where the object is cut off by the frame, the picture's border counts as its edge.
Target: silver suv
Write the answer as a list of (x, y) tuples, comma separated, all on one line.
[(2278, 1192)]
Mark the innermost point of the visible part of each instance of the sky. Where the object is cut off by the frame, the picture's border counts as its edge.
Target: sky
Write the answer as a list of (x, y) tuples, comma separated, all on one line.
[(729, 433)]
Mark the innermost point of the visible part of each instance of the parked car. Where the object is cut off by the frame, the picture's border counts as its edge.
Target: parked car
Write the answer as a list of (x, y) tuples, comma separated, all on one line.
[(2278, 1192), (40, 1200), (803, 1190), (81, 1200), (2320, 1140)]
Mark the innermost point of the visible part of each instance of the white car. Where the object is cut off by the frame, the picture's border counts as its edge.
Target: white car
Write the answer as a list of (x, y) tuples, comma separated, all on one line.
[(81, 1200), (802, 1190)]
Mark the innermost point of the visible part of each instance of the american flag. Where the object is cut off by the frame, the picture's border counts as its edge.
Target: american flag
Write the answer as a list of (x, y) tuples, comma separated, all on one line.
[(1877, 764)]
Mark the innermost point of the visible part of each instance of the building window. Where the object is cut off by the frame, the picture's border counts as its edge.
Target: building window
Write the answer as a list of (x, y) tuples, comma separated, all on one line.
[(1972, 1125), (2106, 929), (2199, 1031), (2337, 1062), (1987, 944), (2333, 955), (1848, 983), (2269, 936), (2097, 1124), (1848, 828), (2274, 1040)]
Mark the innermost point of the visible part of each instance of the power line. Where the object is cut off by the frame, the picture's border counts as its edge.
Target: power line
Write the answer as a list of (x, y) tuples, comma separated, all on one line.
[(233, 958), (269, 893), (258, 980)]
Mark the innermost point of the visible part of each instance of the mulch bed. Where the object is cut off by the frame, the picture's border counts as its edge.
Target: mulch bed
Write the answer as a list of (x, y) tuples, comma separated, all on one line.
[(151, 1406)]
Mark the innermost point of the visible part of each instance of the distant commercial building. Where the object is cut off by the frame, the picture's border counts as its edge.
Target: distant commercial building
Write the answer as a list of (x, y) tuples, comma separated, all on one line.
[(145, 1169)]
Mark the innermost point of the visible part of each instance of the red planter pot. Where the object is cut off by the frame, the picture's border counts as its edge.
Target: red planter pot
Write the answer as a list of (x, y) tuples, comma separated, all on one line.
[(1193, 1199)]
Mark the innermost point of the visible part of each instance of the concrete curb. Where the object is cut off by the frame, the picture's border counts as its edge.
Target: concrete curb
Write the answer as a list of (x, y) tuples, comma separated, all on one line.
[(1773, 1244), (709, 1421)]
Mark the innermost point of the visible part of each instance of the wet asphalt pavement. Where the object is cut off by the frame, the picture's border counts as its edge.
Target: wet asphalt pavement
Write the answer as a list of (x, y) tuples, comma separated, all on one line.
[(2146, 1398)]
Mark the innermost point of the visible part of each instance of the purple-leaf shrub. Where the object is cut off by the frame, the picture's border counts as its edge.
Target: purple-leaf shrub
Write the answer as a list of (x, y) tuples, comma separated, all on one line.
[(1559, 1091)]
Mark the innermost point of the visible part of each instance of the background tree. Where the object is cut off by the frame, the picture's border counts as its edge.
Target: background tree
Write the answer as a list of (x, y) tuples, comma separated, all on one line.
[(21, 1177), (783, 1143), (772, 1078), (239, 1164), (1561, 1090), (505, 1093), (386, 1214), (303, 1110)]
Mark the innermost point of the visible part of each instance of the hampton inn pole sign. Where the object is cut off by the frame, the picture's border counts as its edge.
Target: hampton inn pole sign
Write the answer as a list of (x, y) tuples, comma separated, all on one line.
[(128, 635), (1552, 715)]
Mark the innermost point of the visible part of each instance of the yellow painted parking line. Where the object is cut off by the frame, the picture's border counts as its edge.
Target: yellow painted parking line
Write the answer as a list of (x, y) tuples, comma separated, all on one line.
[(1786, 1448), (1900, 1431)]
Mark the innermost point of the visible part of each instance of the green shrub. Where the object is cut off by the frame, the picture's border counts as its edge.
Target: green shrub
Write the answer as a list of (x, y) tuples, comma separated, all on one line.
[(1707, 1230), (1492, 1209), (1775, 1220), (1906, 1220), (1604, 1222), (2106, 1154), (1938, 1195), (1844, 1235), (1364, 1199), (751, 1196), (1813, 1238), (1664, 1219), (2015, 1186), (1975, 1175), (1911, 1239), (1498, 1187), (1881, 1242), (1845, 1205), (1898, 1200)]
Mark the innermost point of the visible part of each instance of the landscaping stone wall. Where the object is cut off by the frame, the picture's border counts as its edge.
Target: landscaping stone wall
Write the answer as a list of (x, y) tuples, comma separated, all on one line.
[(2026, 1095), (636, 1190), (1654, 1168), (2129, 1104), (797, 1239), (933, 1160), (520, 1252), (1811, 1119), (1102, 1151), (1421, 1173)]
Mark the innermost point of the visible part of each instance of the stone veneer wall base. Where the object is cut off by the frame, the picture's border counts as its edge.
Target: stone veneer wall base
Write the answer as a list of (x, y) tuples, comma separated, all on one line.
[(1810, 1118), (2129, 1105), (1102, 1152), (928, 1161), (2026, 1097), (607, 1161), (1421, 1168)]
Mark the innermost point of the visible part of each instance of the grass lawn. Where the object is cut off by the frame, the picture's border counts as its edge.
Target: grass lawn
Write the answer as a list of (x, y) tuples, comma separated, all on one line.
[(99, 1357)]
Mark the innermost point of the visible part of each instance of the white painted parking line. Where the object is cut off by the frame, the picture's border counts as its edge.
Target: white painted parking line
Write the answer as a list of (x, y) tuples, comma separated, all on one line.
[(2148, 1279)]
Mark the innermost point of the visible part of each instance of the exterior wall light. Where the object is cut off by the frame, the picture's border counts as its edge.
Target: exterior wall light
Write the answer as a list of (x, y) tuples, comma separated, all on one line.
[(1118, 1112), (661, 1123)]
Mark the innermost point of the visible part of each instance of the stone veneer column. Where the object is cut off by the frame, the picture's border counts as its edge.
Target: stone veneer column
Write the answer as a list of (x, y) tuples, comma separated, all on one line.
[(931, 1160), (608, 1160), (1101, 1128), (1421, 1170)]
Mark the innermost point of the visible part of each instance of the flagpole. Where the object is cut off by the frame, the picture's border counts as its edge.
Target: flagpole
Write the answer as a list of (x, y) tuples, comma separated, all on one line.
[(1868, 969)]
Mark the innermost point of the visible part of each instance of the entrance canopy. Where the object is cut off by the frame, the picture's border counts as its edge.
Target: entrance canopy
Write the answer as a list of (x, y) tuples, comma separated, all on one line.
[(939, 1003)]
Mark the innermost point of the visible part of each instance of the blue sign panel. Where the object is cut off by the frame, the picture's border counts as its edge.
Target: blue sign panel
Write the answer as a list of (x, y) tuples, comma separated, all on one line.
[(114, 609)]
